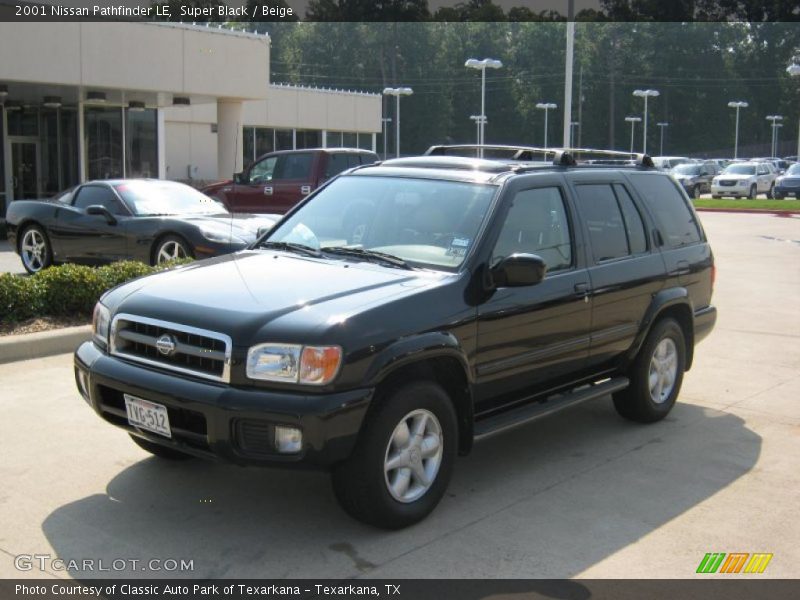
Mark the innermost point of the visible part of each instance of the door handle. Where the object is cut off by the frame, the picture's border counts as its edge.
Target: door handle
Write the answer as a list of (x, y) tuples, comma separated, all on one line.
[(582, 289), (268, 190), (683, 267), (305, 189)]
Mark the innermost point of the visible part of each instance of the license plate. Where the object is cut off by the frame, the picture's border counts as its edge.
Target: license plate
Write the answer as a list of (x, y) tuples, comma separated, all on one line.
[(147, 415)]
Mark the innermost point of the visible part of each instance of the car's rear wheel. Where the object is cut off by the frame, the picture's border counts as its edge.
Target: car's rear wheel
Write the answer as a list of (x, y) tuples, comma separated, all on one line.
[(171, 247), (656, 375), (34, 249), (771, 192), (753, 192), (402, 462), (158, 450)]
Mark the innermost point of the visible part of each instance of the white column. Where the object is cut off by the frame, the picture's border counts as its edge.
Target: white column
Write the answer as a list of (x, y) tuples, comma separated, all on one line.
[(229, 138), (324, 138), (374, 139), (81, 144), (161, 143)]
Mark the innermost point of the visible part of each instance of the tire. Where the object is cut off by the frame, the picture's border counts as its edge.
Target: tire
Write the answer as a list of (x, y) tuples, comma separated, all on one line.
[(771, 192), (647, 402), (715, 196), (34, 249), (696, 192), (171, 247), (753, 192), (778, 196), (373, 494), (159, 451)]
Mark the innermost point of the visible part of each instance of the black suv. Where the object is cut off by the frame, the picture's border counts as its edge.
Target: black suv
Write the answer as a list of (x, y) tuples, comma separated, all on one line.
[(468, 297)]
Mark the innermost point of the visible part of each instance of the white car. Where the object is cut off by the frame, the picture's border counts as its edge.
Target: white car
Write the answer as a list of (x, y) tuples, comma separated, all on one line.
[(745, 180), (667, 163)]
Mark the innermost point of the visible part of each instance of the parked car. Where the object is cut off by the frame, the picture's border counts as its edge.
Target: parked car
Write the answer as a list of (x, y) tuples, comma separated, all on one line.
[(744, 180), (479, 295), (117, 219), (276, 181), (695, 177), (788, 184), (667, 163)]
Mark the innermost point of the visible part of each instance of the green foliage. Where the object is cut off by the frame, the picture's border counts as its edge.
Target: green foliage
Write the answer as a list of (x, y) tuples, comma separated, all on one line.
[(65, 290)]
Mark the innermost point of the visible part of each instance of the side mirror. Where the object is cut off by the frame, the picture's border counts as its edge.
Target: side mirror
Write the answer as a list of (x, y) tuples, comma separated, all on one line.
[(519, 270), (239, 177), (102, 211)]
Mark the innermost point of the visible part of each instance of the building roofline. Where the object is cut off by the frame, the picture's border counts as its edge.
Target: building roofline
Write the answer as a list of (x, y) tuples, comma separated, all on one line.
[(211, 28), (292, 86)]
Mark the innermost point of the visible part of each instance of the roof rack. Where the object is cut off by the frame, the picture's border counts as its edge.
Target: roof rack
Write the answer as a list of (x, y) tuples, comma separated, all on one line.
[(563, 157)]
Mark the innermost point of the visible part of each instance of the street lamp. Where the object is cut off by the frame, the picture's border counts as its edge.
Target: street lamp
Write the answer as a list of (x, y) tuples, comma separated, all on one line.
[(645, 94), (633, 121), (385, 121), (545, 106), (397, 92), (482, 65), (794, 70), (774, 119), (479, 120), (661, 145), (572, 126), (737, 104)]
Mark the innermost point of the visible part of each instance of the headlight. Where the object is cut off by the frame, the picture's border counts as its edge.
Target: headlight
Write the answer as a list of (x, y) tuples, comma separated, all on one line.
[(293, 363), (101, 319), (220, 235)]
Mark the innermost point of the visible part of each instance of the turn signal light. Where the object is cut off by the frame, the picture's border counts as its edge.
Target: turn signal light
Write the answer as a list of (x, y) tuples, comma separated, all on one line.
[(319, 364)]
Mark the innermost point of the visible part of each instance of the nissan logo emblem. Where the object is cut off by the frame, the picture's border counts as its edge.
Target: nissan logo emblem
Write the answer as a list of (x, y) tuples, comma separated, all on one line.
[(166, 344)]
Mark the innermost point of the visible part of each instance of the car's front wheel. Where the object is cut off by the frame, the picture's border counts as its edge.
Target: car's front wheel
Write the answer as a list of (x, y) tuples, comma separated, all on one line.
[(656, 375), (753, 192), (771, 192), (158, 450), (35, 250), (696, 192), (171, 247), (402, 462)]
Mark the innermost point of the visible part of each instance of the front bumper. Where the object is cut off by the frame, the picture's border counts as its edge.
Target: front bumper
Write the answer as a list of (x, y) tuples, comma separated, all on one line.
[(730, 190), (217, 421), (787, 191)]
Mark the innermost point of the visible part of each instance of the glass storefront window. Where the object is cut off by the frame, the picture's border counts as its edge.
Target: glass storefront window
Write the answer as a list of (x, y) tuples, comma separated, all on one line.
[(51, 179), (284, 139), (70, 167), (2, 164), (141, 149), (308, 138), (103, 131), (349, 140), (23, 122), (333, 139), (365, 141), (265, 140), (248, 145)]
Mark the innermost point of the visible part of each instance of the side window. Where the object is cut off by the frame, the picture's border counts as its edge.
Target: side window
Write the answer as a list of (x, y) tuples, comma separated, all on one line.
[(598, 208), (96, 194), (263, 170), (675, 219), (353, 160), (294, 166), (537, 224), (337, 163), (634, 227)]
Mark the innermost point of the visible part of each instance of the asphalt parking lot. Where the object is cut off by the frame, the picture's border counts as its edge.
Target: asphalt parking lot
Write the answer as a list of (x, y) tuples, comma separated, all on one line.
[(581, 494)]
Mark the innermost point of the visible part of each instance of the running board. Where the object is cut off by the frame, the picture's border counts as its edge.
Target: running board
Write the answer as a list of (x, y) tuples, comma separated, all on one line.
[(530, 412)]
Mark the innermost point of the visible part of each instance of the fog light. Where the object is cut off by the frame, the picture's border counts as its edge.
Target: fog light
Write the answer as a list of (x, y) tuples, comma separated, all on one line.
[(82, 379), (288, 440)]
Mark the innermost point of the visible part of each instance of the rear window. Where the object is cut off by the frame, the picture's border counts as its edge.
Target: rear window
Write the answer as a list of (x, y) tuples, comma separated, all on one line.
[(675, 219)]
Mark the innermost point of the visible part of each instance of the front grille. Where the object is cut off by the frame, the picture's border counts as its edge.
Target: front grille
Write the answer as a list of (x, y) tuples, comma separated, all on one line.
[(790, 183), (172, 346), (728, 182), (187, 426)]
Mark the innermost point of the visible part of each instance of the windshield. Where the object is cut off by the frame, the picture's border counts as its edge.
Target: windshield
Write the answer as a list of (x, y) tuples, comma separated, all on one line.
[(424, 222), (687, 170), (166, 198), (794, 169), (740, 170)]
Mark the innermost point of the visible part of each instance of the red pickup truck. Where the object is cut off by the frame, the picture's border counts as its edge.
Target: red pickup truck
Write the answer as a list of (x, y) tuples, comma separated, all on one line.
[(276, 181)]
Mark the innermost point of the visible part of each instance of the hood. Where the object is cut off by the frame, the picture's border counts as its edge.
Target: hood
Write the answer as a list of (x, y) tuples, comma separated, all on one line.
[(215, 186), (241, 294), (246, 227)]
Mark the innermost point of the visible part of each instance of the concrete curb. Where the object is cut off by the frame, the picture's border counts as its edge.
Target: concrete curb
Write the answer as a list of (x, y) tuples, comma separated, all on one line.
[(26, 346), (755, 211)]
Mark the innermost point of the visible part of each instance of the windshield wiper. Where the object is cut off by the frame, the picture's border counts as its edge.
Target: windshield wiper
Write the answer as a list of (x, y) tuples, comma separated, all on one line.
[(291, 247), (373, 255)]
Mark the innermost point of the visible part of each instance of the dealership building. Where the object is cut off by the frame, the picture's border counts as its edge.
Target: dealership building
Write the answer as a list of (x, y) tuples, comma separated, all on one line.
[(95, 100)]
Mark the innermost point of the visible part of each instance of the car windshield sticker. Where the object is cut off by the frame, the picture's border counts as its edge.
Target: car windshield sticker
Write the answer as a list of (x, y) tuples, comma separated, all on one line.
[(458, 247)]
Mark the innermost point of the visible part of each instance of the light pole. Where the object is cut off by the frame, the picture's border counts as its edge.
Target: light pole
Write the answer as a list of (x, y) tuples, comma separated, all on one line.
[(482, 65), (661, 145), (774, 119), (794, 70), (397, 92), (385, 121), (737, 104), (633, 121), (572, 126), (545, 106), (645, 94), (479, 120)]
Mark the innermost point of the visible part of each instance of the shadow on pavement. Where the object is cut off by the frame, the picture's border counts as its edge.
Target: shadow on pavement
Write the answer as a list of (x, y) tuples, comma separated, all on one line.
[(546, 500)]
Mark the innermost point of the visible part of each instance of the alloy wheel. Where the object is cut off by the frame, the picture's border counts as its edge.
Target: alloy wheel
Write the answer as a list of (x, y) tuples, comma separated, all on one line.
[(413, 456), (171, 250), (663, 370), (34, 250)]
